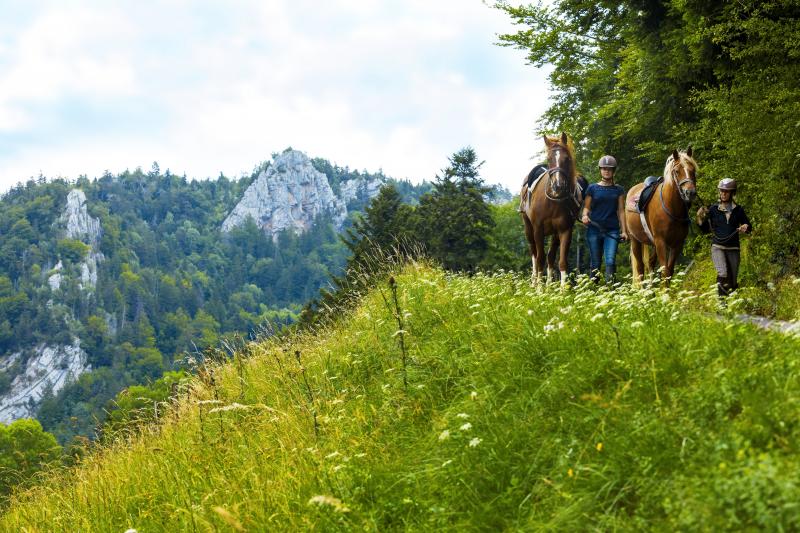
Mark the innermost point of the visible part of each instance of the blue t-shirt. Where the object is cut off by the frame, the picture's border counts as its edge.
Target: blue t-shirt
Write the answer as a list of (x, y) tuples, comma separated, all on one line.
[(603, 209)]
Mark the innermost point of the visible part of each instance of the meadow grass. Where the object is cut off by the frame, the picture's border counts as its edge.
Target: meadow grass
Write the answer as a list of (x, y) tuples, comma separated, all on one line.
[(525, 409)]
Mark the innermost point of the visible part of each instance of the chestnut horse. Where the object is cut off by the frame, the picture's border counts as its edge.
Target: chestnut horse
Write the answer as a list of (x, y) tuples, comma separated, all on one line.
[(664, 223), (551, 207)]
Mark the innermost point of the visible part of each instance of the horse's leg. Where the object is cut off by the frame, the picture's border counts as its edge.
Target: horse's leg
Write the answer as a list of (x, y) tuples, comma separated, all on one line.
[(531, 246), (566, 239), (637, 263), (662, 252), (669, 267), (551, 258), (538, 235)]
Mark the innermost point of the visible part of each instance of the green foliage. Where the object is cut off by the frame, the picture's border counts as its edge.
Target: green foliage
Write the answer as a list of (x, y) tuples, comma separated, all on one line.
[(72, 250), (25, 449), (526, 409)]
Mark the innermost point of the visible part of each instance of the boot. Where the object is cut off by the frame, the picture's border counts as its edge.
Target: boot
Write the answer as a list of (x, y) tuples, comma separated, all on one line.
[(610, 275)]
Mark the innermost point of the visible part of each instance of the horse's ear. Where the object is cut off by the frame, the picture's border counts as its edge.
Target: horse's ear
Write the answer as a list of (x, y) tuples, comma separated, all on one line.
[(675, 155), (546, 140), (563, 138), (689, 151)]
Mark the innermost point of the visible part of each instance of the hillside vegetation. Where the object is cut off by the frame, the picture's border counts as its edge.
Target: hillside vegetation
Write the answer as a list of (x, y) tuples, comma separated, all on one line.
[(494, 405)]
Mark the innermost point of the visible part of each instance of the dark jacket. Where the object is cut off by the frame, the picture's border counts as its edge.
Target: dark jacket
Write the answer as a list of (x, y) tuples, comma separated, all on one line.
[(725, 233)]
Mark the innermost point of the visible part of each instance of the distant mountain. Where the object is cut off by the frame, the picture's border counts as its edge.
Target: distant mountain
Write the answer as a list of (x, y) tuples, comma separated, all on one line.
[(110, 282)]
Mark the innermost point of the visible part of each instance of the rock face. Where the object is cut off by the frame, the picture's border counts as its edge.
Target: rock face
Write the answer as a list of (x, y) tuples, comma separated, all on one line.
[(79, 225), (50, 368), (291, 193)]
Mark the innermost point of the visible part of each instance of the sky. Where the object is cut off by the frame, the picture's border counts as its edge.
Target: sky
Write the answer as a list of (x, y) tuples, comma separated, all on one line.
[(206, 87)]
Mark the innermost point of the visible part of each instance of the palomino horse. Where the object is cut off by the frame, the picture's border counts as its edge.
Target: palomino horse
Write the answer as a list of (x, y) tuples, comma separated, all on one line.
[(551, 207), (664, 223)]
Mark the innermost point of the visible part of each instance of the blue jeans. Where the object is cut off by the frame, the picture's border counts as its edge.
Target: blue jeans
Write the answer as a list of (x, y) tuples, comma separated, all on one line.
[(602, 245)]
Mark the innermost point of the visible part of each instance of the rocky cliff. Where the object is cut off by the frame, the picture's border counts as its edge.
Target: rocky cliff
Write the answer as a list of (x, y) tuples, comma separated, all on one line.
[(291, 193), (76, 223), (49, 367)]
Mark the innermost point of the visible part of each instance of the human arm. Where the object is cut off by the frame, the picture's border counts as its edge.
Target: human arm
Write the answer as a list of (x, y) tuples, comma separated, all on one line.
[(702, 219), (587, 208), (744, 225), (623, 231)]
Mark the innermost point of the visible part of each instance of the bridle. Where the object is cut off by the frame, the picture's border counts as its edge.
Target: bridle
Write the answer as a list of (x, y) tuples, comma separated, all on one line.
[(679, 185), (557, 170)]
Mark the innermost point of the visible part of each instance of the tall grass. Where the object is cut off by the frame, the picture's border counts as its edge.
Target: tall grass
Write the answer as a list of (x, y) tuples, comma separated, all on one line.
[(525, 408)]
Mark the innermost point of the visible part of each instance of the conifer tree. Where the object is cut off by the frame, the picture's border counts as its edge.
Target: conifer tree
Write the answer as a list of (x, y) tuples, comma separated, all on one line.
[(454, 220)]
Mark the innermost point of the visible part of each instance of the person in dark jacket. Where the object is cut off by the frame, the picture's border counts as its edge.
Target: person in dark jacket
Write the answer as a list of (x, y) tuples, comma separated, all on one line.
[(726, 219)]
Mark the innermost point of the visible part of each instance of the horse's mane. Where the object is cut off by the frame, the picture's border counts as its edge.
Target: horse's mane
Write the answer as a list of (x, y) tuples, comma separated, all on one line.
[(685, 160), (556, 140)]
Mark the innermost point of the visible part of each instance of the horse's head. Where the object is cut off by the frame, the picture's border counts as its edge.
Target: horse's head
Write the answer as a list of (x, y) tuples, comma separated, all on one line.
[(561, 168), (681, 169)]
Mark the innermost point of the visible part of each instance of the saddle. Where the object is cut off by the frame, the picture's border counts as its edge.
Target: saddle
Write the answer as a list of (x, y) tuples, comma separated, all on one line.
[(638, 202)]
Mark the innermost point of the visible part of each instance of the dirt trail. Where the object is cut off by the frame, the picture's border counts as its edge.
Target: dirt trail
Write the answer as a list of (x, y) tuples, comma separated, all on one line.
[(783, 326)]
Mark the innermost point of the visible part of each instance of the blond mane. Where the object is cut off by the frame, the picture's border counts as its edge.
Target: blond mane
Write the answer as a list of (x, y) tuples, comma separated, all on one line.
[(685, 159)]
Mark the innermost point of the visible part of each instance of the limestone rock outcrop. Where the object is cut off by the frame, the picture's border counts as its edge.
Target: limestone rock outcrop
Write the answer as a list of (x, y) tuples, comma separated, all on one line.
[(50, 368), (291, 193), (78, 224)]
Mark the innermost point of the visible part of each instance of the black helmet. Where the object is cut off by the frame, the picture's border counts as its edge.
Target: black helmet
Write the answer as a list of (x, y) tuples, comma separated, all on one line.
[(727, 184), (607, 161)]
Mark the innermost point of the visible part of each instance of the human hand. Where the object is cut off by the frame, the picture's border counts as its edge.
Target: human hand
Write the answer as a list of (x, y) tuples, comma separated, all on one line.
[(743, 228), (585, 219), (623, 237), (702, 212)]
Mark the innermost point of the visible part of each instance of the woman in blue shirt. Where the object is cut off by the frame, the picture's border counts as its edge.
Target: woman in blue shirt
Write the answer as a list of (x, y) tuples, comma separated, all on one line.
[(604, 214)]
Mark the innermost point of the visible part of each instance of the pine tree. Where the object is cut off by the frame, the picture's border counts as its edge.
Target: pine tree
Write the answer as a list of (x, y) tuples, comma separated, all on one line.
[(454, 220)]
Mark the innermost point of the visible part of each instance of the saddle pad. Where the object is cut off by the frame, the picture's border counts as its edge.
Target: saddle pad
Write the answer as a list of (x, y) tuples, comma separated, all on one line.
[(632, 204)]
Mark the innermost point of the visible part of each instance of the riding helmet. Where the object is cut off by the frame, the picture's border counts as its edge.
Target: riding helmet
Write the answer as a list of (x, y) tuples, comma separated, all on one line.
[(607, 161), (727, 184)]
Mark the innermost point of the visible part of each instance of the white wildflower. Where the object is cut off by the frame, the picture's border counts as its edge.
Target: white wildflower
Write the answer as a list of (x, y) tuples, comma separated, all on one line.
[(209, 402), (466, 427), (597, 317), (444, 435), (473, 395), (530, 312), (637, 324), (474, 442), (332, 455), (330, 501), (462, 415)]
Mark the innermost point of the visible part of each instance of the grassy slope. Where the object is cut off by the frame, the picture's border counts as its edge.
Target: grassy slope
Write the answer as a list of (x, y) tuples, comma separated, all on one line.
[(524, 409)]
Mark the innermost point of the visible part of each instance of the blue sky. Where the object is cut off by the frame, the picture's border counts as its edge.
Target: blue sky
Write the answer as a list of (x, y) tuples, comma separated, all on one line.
[(206, 87)]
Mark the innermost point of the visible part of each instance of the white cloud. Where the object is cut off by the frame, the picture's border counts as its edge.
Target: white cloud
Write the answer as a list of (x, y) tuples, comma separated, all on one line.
[(205, 89)]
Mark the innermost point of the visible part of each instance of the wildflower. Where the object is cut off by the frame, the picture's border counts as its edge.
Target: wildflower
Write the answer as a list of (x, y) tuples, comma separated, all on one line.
[(530, 312), (466, 427), (209, 402), (331, 455), (473, 395), (330, 501), (462, 415), (637, 324), (599, 446), (474, 442), (597, 317), (131, 530), (444, 435), (571, 473)]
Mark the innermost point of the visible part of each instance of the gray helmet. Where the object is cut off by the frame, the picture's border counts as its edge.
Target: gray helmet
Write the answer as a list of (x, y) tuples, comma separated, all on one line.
[(727, 184), (607, 161)]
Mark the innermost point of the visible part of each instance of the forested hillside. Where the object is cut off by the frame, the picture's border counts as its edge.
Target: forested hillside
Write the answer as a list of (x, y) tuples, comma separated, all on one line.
[(169, 283)]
